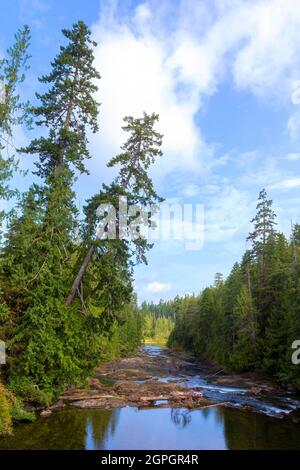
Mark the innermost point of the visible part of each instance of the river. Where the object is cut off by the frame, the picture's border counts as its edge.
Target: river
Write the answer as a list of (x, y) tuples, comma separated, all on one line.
[(220, 427)]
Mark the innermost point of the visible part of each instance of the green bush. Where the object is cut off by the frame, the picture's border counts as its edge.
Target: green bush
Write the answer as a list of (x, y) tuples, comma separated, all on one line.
[(23, 388), (19, 414), (6, 400)]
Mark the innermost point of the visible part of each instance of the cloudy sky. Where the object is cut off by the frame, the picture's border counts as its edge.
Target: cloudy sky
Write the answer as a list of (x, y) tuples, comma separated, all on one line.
[(224, 76)]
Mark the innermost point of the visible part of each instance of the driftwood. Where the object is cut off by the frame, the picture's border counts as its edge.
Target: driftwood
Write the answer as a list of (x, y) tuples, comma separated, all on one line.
[(155, 398), (89, 397), (213, 405), (216, 373)]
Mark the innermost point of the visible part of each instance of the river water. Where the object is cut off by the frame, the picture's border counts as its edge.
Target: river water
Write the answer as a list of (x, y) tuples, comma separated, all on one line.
[(160, 428)]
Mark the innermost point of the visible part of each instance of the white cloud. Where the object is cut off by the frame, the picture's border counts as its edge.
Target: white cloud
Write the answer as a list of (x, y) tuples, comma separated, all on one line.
[(289, 183), (293, 127), (168, 57), (190, 190), (293, 157), (34, 12), (138, 75), (158, 287), (269, 59), (228, 214)]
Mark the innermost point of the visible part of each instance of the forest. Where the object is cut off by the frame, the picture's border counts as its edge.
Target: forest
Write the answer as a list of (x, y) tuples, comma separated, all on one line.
[(158, 321), (250, 320), (67, 299), (66, 295)]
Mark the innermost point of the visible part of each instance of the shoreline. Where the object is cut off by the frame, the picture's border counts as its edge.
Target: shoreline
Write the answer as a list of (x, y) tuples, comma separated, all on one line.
[(159, 378)]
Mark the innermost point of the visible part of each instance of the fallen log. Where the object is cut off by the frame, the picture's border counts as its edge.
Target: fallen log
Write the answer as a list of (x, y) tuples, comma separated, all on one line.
[(154, 398), (213, 405), (89, 397)]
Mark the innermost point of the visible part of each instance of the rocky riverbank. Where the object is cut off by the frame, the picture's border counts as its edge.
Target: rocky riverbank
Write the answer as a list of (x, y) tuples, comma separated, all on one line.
[(157, 377)]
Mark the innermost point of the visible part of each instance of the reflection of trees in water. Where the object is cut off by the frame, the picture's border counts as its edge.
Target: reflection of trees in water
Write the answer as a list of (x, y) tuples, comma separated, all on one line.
[(244, 430), (65, 429), (101, 424), (181, 417), (62, 430), (80, 429), (218, 415)]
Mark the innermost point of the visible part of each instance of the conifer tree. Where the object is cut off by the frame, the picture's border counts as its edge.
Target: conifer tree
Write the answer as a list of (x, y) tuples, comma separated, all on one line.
[(232, 288), (13, 111), (68, 108), (49, 343), (218, 279), (138, 153), (264, 227), (246, 349), (263, 239), (295, 241), (296, 234)]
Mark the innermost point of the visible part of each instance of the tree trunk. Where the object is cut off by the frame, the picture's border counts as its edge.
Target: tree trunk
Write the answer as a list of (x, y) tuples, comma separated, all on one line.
[(80, 275)]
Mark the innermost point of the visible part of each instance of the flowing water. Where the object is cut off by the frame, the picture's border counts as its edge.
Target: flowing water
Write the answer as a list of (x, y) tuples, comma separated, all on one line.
[(264, 425)]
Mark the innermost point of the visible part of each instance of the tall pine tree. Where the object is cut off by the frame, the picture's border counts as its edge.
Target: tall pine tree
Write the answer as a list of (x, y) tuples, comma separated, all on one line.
[(49, 343), (133, 182)]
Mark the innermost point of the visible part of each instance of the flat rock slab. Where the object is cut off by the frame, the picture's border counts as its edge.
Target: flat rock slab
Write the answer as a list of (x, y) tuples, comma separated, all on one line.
[(134, 381), (148, 381)]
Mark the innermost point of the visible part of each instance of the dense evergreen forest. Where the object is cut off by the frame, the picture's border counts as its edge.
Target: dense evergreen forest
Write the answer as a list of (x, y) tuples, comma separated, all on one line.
[(158, 321), (249, 321), (66, 297)]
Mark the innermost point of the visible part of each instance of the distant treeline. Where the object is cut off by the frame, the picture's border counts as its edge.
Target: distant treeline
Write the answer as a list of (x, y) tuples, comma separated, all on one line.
[(162, 309), (158, 321), (249, 321)]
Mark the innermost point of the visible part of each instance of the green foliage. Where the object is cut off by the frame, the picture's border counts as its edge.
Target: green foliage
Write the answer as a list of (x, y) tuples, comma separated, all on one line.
[(4, 312), (24, 388), (156, 328), (249, 321), (68, 106), (13, 111), (12, 68), (11, 409), (245, 349), (126, 332), (20, 414), (139, 152), (52, 343), (135, 186), (5, 411)]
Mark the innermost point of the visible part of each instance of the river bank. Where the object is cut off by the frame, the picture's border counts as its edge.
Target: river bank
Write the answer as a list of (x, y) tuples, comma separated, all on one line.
[(162, 378), (162, 399)]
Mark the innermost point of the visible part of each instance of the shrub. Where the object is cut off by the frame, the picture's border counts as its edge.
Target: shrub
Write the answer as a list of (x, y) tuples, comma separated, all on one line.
[(25, 389), (6, 400), (18, 412)]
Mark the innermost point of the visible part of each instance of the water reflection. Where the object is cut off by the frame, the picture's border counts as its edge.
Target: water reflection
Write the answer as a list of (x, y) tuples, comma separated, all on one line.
[(253, 431), (129, 428), (181, 417), (100, 428)]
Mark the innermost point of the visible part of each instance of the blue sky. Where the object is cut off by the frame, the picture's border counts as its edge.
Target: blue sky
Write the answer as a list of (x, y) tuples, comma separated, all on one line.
[(221, 76)]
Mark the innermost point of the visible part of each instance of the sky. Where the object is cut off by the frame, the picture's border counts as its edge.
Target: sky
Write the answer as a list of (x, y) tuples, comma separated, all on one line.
[(224, 77)]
